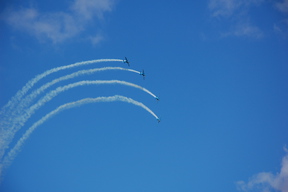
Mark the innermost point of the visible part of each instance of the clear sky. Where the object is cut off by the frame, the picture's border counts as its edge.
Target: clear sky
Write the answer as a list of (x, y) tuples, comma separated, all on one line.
[(219, 68)]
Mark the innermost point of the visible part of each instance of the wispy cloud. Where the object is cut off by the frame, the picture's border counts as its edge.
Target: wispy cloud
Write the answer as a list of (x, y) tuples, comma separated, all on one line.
[(96, 39), (268, 182), (230, 7), (87, 9), (236, 14), (58, 26), (282, 6), (281, 27), (244, 29), (223, 7)]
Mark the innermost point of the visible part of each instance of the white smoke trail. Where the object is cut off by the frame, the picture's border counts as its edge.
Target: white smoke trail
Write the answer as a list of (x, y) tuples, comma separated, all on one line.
[(55, 92), (58, 90), (28, 99), (19, 121), (10, 105), (13, 152), (5, 112)]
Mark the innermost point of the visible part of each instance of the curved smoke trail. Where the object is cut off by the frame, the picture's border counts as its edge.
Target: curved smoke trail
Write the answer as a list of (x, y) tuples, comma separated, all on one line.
[(11, 104), (55, 92), (13, 152), (29, 98), (19, 121), (58, 90)]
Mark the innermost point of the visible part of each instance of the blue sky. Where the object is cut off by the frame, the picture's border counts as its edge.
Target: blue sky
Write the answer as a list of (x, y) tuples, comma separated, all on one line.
[(219, 67)]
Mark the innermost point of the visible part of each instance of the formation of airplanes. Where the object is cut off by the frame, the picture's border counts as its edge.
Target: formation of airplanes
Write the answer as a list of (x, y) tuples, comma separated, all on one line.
[(125, 60)]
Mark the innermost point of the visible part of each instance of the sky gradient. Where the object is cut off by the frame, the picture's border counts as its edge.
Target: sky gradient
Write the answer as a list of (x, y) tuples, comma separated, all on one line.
[(219, 68)]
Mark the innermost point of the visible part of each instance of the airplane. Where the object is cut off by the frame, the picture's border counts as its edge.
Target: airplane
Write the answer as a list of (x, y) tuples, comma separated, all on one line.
[(126, 61), (143, 74), (158, 120), (157, 98)]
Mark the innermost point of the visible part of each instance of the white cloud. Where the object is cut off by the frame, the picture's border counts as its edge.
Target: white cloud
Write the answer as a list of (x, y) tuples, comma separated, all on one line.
[(281, 27), (58, 26), (229, 7), (96, 39), (88, 8), (54, 26), (223, 7), (283, 6), (268, 182), (236, 14), (245, 29)]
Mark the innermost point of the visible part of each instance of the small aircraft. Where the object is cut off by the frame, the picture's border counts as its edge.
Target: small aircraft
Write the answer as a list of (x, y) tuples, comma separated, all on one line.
[(126, 61), (157, 98), (158, 120), (143, 74)]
